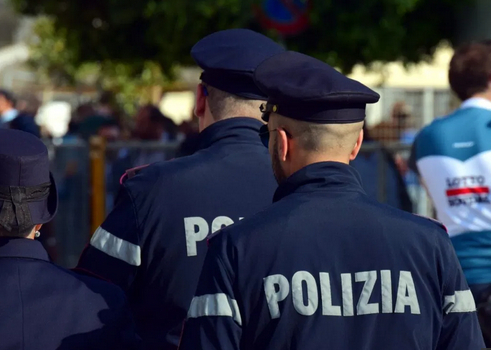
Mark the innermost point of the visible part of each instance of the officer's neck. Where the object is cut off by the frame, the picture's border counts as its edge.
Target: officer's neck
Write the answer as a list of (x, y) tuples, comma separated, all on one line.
[(305, 159), (32, 235), (485, 95)]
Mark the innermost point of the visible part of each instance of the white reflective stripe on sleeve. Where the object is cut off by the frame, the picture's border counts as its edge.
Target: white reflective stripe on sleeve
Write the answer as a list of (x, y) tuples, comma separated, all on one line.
[(116, 247), (215, 305), (461, 301)]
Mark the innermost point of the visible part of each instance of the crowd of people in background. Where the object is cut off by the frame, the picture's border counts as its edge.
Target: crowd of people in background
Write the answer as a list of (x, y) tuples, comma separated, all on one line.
[(106, 120), (149, 125)]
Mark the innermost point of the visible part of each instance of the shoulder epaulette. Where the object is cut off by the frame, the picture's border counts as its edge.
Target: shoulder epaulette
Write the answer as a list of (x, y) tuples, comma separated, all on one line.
[(433, 220), (131, 173)]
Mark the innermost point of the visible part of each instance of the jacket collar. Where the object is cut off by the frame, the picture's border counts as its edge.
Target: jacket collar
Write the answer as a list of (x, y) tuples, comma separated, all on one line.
[(233, 130), (324, 176), (8, 116), (476, 102), (22, 248)]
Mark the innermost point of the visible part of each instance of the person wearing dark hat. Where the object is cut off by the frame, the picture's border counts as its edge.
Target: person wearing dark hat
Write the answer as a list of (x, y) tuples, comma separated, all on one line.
[(326, 266), (154, 241), (43, 305)]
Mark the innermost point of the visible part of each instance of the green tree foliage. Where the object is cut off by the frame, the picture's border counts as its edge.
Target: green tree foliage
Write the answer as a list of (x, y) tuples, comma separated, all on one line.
[(55, 64), (144, 40), (343, 32), (350, 32)]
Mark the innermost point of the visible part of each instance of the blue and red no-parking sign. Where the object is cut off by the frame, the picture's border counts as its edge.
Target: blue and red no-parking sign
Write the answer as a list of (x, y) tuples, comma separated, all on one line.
[(288, 17)]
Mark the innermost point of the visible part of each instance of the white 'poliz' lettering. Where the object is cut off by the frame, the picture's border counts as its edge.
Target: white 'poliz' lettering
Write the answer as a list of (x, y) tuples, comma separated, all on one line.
[(406, 294), (220, 222), (347, 289), (305, 295), (386, 291), (364, 307), (276, 288), (197, 229), (311, 296), (328, 308)]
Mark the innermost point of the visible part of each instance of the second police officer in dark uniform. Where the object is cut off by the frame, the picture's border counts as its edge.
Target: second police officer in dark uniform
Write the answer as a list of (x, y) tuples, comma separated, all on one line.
[(326, 267), (154, 241), (44, 306)]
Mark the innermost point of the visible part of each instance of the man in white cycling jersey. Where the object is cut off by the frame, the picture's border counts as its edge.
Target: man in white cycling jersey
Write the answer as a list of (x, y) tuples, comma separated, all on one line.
[(452, 155)]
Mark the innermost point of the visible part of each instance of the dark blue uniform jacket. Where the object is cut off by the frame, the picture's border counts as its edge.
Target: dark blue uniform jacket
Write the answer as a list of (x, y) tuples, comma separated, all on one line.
[(326, 267), (154, 241), (44, 306)]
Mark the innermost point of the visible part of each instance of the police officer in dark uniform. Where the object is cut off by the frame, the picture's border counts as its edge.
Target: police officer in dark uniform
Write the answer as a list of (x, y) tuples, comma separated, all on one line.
[(327, 267), (44, 306), (154, 241)]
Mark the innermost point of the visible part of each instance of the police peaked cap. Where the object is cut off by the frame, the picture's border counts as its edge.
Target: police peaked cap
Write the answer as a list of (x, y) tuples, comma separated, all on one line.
[(304, 88), (230, 57)]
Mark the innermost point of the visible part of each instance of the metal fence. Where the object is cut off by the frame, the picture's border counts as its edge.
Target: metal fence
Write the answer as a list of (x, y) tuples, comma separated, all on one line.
[(425, 104), (69, 231), (88, 177)]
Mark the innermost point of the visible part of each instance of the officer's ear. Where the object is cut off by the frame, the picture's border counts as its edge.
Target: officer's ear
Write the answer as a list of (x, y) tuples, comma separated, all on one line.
[(282, 144), (200, 108), (357, 147)]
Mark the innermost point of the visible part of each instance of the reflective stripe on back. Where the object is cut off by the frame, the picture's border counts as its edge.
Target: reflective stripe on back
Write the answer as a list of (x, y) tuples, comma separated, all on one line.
[(215, 305)]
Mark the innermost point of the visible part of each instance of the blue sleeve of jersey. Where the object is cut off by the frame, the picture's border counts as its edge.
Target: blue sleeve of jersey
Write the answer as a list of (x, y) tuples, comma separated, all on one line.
[(460, 329), (411, 163), (214, 319), (114, 252)]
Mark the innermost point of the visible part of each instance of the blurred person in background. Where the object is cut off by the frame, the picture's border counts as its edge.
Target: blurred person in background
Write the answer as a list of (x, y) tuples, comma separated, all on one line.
[(28, 103), (82, 112), (153, 243), (11, 118), (398, 128), (368, 165), (71, 170), (48, 307), (114, 163), (190, 144), (101, 114), (153, 125), (107, 105), (452, 156), (109, 130)]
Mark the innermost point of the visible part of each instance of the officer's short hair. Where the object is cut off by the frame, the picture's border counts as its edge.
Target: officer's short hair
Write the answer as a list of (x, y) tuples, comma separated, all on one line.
[(315, 137), (15, 233), (470, 69), (224, 105)]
